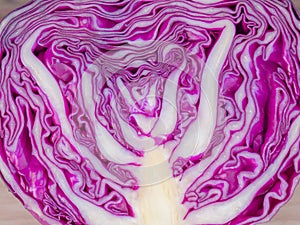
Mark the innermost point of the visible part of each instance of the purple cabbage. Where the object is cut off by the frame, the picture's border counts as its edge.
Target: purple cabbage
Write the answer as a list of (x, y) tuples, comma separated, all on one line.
[(142, 112)]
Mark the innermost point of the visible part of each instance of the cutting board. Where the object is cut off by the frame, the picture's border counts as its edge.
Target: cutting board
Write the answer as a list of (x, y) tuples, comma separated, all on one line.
[(12, 211)]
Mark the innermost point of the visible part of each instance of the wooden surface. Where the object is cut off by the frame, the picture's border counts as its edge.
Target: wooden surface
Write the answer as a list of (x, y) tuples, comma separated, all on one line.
[(13, 213)]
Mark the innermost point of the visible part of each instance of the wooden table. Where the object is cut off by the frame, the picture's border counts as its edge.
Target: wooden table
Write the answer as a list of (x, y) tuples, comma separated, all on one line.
[(13, 213)]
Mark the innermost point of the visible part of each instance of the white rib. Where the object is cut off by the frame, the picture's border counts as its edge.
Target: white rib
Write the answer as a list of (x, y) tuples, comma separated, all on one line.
[(50, 87), (223, 212), (199, 134)]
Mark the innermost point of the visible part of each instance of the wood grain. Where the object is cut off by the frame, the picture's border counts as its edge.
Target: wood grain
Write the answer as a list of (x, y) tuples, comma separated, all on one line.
[(7, 6), (12, 211)]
